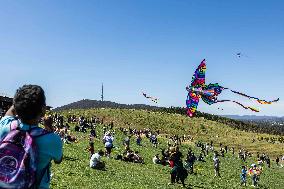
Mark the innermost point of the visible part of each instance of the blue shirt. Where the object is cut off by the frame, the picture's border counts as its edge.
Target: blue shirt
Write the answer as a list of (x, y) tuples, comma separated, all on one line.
[(49, 148)]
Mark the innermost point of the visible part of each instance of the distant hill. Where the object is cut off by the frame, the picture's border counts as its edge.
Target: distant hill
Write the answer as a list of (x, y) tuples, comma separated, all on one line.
[(232, 121), (87, 104), (254, 117)]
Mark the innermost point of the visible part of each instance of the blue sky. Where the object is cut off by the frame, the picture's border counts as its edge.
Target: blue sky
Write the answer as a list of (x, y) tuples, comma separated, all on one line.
[(71, 47)]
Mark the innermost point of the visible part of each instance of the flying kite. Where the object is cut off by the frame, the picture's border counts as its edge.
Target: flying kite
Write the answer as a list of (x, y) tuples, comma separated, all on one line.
[(239, 55), (208, 93), (150, 97)]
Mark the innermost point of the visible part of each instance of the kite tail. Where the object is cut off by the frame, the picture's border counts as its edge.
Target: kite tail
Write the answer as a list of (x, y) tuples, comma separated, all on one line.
[(257, 99), (245, 107)]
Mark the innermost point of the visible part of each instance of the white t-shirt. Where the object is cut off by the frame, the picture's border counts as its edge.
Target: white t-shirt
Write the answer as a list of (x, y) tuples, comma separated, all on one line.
[(95, 159), (155, 160), (108, 141), (216, 161)]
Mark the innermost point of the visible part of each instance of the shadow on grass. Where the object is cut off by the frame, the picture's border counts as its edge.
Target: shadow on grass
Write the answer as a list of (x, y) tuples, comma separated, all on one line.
[(67, 158), (189, 186)]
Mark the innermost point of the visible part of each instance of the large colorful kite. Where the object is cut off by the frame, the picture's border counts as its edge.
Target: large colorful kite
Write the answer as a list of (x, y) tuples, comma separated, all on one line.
[(150, 97), (209, 93)]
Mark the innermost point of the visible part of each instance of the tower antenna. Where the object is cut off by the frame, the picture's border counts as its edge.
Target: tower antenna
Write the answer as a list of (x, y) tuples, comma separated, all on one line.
[(102, 92)]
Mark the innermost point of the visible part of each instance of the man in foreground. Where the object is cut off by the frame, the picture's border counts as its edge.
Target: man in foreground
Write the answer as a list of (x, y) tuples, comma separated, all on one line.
[(28, 108)]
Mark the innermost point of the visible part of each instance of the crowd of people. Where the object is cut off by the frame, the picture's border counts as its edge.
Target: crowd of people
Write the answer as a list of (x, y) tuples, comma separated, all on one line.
[(171, 156)]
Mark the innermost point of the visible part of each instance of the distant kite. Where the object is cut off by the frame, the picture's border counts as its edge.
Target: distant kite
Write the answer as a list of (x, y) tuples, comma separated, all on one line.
[(239, 55), (209, 93), (150, 97)]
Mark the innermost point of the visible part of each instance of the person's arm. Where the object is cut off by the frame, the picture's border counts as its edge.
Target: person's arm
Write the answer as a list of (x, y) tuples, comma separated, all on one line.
[(57, 149), (47, 123), (11, 111)]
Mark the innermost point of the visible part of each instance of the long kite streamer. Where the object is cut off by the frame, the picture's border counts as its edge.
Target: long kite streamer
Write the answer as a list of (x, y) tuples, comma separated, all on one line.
[(209, 93), (245, 107), (257, 99)]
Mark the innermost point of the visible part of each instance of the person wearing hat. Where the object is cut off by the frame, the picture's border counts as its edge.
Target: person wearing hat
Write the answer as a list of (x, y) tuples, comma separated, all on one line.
[(108, 141), (253, 171)]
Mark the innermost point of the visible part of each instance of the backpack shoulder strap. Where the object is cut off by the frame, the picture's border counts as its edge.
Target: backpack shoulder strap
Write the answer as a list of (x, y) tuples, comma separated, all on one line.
[(37, 132)]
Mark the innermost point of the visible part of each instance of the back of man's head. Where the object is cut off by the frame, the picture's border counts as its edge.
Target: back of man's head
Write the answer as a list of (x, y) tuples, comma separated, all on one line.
[(29, 102)]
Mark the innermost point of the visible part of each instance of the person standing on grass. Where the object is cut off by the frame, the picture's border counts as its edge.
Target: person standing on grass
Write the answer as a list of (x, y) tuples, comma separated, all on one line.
[(253, 173), (138, 139), (28, 108), (277, 161), (268, 161), (177, 172), (244, 176), (216, 165), (91, 148), (108, 141)]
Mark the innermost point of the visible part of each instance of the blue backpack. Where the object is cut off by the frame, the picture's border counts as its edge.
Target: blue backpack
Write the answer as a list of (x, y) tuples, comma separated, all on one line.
[(18, 158)]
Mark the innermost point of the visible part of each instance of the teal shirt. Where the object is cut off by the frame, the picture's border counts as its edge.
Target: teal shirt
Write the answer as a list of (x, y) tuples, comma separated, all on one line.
[(49, 148)]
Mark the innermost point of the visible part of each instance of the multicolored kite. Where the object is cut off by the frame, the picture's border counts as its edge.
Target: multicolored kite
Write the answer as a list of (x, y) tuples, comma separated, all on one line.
[(209, 93), (150, 97)]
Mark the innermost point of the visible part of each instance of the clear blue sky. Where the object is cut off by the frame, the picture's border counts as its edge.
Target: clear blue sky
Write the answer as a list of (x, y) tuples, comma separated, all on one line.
[(70, 47)]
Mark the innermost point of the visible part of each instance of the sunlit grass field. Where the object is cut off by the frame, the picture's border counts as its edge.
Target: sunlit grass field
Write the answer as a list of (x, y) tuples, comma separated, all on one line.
[(74, 171)]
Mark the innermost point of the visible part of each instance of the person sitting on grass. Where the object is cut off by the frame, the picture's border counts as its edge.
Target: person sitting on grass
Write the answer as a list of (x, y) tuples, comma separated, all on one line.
[(156, 159), (128, 155), (137, 158), (95, 161), (126, 141)]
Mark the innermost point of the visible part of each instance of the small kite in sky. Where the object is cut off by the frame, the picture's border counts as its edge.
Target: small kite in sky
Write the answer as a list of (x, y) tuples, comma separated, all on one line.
[(150, 97), (239, 55), (208, 93)]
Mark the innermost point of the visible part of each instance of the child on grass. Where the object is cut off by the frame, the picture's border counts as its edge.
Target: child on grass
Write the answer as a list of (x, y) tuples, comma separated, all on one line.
[(244, 176)]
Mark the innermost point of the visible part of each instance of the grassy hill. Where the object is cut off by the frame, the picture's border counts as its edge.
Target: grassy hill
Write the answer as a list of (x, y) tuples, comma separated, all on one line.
[(74, 172), (274, 129)]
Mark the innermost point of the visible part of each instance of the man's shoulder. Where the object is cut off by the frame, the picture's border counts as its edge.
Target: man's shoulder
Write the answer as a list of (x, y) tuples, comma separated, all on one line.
[(50, 138)]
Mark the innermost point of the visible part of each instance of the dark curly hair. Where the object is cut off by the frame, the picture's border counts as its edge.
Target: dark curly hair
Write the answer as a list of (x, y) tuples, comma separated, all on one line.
[(29, 101)]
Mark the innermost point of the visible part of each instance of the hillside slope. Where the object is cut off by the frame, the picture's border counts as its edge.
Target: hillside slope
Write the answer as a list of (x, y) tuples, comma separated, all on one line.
[(199, 128), (237, 124), (74, 171)]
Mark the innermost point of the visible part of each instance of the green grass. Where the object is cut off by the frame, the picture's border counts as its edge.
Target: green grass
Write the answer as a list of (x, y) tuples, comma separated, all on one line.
[(74, 171)]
